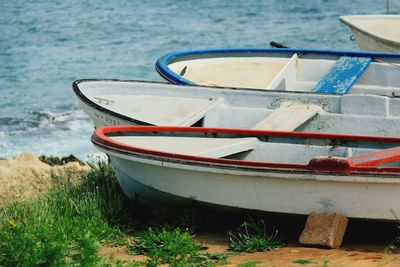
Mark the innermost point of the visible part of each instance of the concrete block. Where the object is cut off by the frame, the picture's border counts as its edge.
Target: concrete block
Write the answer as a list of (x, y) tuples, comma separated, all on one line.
[(324, 229)]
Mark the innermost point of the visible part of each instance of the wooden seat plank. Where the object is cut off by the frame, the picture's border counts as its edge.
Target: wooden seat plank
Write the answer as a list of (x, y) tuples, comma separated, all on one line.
[(195, 146), (288, 117), (342, 75)]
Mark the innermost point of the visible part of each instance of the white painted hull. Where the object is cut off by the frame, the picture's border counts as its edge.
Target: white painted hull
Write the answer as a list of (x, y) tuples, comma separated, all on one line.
[(351, 114), (367, 42), (287, 172), (375, 32), (101, 118), (356, 197)]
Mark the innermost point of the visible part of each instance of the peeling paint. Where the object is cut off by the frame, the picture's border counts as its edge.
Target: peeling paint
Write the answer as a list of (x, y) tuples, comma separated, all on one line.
[(342, 75)]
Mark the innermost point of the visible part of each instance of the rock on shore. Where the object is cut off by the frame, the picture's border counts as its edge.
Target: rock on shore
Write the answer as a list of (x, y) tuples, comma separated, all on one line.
[(26, 176)]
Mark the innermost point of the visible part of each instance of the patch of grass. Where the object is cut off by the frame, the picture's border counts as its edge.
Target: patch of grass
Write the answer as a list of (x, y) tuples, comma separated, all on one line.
[(303, 261), (189, 216), (248, 264), (111, 262), (253, 236), (113, 204), (174, 247), (170, 240), (66, 226), (394, 246), (209, 259)]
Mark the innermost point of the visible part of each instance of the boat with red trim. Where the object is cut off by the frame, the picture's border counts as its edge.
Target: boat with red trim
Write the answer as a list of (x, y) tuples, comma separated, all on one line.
[(275, 171)]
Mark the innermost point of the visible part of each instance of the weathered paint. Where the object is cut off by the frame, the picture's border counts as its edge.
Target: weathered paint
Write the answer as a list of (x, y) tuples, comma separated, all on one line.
[(342, 75)]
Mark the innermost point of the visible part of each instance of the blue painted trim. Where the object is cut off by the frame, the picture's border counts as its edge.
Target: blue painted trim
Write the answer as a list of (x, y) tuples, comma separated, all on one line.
[(163, 69), (342, 75)]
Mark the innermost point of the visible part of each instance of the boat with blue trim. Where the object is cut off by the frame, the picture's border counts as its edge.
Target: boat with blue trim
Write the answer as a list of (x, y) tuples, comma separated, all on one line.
[(284, 69)]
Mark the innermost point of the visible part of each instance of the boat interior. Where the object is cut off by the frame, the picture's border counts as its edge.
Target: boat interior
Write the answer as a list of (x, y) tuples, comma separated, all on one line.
[(174, 105), (264, 148), (296, 72)]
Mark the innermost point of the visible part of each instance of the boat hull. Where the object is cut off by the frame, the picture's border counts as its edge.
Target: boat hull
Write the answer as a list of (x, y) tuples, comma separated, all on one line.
[(102, 118), (274, 171), (368, 42), (375, 32), (295, 193)]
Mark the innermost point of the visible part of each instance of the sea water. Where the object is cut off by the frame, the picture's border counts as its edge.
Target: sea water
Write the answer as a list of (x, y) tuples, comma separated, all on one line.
[(46, 45)]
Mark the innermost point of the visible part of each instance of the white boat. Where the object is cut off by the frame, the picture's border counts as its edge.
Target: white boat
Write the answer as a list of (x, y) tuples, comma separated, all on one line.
[(316, 71), (285, 172), (375, 32), (113, 102)]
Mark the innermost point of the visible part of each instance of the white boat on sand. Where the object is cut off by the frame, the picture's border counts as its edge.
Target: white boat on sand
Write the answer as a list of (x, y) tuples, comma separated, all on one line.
[(375, 32), (316, 71), (113, 102), (286, 172)]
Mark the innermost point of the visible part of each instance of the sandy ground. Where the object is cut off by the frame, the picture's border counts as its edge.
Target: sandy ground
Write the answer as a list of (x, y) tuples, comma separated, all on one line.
[(292, 255), (25, 176), (287, 256)]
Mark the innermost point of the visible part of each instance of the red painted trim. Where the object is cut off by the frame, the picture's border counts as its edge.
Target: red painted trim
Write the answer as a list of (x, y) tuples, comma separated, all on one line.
[(330, 162), (303, 135), (327, 164), (376, 157)]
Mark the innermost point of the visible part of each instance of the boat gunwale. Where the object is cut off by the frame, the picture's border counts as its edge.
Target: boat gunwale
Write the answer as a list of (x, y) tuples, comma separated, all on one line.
[(383, 39), (86, 100), (164, 71), (101, 139)]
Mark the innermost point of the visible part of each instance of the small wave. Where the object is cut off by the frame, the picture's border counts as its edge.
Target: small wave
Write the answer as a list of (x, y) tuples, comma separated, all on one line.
[(66, 133), (41, 120)]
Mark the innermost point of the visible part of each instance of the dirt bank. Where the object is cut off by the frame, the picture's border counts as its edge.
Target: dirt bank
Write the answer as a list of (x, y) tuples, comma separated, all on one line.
[(25, 176)]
